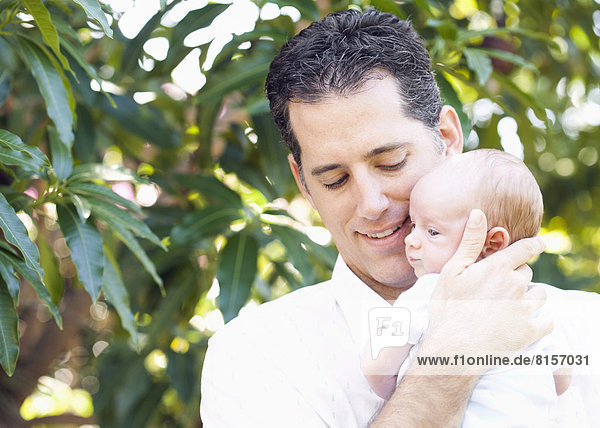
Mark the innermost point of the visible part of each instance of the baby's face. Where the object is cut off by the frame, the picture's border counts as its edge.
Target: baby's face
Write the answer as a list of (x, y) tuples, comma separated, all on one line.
[(438, 212)]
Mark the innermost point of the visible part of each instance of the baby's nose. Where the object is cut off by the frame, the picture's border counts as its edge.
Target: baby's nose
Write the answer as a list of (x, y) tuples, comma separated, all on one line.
[(411, 240)]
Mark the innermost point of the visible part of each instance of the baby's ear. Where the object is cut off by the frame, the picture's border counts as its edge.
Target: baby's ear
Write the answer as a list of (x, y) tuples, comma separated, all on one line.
[(497, 239)]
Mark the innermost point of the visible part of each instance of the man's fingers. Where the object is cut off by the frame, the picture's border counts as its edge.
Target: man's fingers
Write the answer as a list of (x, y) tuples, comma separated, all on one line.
[(520, 252), (536, 292), (471, 244), (525, 273), (537, 295), (542, 326)]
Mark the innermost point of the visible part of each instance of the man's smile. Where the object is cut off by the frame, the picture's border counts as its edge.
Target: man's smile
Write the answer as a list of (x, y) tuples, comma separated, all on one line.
[(386, 233), (383, 234)]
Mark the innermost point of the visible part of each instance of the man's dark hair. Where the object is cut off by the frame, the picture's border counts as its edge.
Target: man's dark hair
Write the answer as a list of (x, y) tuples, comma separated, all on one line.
[(337, 55)]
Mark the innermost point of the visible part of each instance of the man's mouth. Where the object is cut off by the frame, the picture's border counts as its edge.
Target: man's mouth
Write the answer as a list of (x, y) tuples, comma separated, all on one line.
[(387, 232), (383, 234)]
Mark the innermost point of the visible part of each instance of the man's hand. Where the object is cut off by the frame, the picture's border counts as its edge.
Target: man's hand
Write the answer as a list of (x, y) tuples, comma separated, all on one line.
[(477, 308), (484, 308)]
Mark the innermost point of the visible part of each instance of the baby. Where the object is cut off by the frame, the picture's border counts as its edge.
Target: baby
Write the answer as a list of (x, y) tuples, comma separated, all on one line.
[(502, 187)]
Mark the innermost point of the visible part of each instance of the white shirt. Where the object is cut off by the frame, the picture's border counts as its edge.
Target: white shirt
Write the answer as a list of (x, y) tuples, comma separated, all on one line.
[(295, 361)]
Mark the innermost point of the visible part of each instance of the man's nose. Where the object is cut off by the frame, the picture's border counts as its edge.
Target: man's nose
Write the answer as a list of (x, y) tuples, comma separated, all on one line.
[(372, 199)]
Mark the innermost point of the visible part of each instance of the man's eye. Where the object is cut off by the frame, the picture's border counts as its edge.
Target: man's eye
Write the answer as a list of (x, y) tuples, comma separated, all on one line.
[(395, 166), (336, 184), (433, 232)]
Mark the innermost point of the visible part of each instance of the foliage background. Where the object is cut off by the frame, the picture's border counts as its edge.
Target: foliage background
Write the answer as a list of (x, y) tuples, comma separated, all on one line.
[(86, 112)]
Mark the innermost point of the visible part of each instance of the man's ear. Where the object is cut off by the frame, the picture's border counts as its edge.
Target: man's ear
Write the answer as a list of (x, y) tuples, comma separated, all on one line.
[(451, 131), (497, 239), (296, 173)]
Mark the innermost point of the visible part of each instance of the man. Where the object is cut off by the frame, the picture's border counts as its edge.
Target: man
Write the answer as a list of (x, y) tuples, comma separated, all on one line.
[(357, 103)]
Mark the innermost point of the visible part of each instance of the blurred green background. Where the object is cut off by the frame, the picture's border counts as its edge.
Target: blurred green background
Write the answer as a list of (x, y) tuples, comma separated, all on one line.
[(122, 120)]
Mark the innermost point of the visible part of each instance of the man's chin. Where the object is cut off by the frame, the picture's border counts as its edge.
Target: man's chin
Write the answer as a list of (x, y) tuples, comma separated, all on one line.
[(391, 287)]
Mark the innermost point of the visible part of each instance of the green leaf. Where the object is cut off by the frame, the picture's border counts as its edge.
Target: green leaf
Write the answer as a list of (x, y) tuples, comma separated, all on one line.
[(4, 86), (292, 240), (273, 152), (237, 269), (116, 293), (207, 116), (183, 284), (4, 4), (288, 274), (193, 21), (98, 191), (232, 160), (94, 12), (7, 272), (16, 233), (65, 29), (134, 47), (9, 331), (506, 56), (239, 73), (98, 171), (505, 32), (525, 98), (211, 187), (19, 201), (83, 207), (32, 277), (8, 248), (142, 120), (52, 277), (446, 29), (480, 63), (182, 369), (202, 223), (85, 244), (49, 34), (77, 55), (14, 152), (111, 215), (142, 410), (389, 6), (299, 246), (129, 240), (308, 8), (84, 146), (53, 87), (62, 160)]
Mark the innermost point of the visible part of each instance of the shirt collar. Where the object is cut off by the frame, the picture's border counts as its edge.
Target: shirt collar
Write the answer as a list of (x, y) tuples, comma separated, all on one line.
[(355, 299)]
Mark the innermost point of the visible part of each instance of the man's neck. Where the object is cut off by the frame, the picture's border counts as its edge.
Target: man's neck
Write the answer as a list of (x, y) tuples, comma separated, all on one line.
[(389, 292)]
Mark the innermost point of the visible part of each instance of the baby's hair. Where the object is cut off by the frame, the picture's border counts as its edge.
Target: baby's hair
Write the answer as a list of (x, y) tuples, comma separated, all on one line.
[(508, 193)]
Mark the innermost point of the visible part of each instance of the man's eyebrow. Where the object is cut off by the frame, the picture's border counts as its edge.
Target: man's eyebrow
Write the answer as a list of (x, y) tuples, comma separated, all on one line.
[(385, 149), (323, 169)]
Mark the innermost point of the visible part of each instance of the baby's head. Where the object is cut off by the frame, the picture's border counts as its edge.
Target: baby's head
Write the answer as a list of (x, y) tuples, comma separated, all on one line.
[(497, 183)]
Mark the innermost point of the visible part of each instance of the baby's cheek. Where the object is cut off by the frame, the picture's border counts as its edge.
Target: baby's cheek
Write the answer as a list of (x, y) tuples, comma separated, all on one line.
[(438, 262)]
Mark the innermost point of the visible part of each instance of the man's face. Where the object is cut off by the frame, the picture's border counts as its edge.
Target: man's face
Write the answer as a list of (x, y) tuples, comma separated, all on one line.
[(361, 158), (439, 209)]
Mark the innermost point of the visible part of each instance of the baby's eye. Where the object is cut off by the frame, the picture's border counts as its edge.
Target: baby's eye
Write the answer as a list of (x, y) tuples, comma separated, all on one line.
[(433, 232), (412, 226)]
